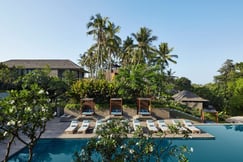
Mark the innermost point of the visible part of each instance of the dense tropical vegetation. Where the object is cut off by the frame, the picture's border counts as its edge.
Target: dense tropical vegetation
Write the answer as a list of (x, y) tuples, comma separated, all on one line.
[(143, 70), (28, 107)]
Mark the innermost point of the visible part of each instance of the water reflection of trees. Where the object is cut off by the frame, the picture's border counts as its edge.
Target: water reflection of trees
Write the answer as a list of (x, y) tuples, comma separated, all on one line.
[(235, 127), (239, 128)]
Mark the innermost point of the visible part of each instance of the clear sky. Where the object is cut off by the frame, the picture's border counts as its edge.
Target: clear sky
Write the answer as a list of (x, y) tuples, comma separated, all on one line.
[(204, 33)]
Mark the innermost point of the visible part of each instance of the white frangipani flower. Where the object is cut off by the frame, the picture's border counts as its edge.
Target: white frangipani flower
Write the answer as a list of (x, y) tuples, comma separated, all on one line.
[(27, 109), (11, 122), (41, 91), (12, 102)]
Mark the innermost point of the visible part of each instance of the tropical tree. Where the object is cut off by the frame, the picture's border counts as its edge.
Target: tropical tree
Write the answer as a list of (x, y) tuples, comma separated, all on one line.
[(235, 101), (24, 115), (127, 54), (113, 43), (137, 80), (97, 28), (25, 112), (222, 80), (183, 83), (69, 77), (163, 56), (144, 48), (7, 77), (88, 59)]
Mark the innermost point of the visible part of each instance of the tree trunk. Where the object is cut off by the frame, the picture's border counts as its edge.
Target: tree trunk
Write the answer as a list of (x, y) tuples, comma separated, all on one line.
[(30, 152), (8, 148)]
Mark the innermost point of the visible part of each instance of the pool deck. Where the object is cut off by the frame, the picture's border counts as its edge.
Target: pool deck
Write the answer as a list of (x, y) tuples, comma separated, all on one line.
[(56, 129)]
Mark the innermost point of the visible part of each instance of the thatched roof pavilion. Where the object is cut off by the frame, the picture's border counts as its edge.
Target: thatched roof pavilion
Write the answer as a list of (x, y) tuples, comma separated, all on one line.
[(187, 96)]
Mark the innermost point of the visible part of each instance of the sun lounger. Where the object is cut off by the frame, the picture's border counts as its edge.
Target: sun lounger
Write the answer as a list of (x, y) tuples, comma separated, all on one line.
[(178, 125), (188, 125), (163, 126), (84, 126), (72, 127), (151, 126), (136, 124), (97, 125)]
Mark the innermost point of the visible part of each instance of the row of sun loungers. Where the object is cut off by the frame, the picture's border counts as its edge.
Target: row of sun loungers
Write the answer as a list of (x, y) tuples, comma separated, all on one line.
[(183, 125), (74, 126), (153, 126)]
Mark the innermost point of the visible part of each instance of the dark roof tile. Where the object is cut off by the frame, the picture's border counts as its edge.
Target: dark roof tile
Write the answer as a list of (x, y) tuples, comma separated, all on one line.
[(37, 64)]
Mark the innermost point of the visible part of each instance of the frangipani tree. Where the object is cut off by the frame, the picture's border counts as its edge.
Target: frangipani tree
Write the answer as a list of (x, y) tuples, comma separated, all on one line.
[(112, 144), (24, 115)]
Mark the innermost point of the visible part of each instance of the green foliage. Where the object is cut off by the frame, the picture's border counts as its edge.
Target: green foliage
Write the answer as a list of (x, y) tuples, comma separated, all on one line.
[(39, 77), (210, 92), (236, 101), (69, 77), (24, 114), (112, 144), (73, 106), (183, 83), (25, 111), (229, 87), (139, 80), (99, 89), (7, 77)]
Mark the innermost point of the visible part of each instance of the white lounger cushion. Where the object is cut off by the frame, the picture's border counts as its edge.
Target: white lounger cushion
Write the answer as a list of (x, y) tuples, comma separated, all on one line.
[(136, 124), (178, 124), (151, 126), (84, 126), (72, 127), (188, 124), (163, 126)]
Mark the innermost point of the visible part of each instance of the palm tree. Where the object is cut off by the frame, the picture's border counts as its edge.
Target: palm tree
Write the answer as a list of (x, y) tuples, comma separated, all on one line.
[(88, 60), (113, 42), (127, 52), (164, 57), (97, 26), (144, 40)]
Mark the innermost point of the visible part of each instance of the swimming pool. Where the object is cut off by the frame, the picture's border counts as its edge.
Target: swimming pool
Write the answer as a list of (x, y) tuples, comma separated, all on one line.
[(227, 146)]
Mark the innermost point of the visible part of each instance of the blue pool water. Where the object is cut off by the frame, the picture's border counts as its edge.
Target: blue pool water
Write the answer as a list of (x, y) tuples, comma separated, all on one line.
[(226, 147)]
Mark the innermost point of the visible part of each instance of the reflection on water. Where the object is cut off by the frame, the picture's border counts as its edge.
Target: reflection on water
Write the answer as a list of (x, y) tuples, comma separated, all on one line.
[(235, 127), (239, 128)]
